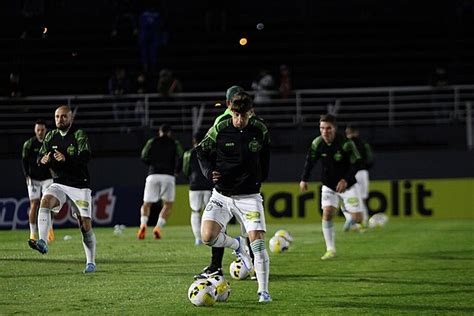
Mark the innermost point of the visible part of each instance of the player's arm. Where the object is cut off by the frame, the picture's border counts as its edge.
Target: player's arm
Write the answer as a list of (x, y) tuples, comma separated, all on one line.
[(369, 155), (186, 163), (312, 157), (179, 157), (145, 155), (355, 159), (25, 153), (206, 153), (265, 156), (44, 154)]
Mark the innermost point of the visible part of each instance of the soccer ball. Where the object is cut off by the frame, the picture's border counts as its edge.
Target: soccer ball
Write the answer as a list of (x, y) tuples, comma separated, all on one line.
[(378, 220), (202, 293), (238, 270), (285, 234), (222, 287), (278, 244)]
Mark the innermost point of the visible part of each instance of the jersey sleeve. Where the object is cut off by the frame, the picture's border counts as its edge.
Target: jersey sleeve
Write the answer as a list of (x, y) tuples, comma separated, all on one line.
[(24, 157), (186, 163), (206, 153), (355, 159), (45, 148), (83, 148), (369, 155), (312, 157), (145, 155)]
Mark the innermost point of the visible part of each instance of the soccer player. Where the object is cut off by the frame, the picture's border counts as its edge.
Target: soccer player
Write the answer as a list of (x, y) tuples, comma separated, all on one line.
[(217, 253), (199, 187), (66, 152), (163, 156), (340, 162), (362, 175), (38, 179), (235, 156)]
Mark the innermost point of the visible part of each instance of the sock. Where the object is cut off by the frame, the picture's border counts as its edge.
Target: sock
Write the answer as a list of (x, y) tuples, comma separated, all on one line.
[(252, 256), (216, 258), (44, 218), (196, 224), (143, 220), (33, 231), (347, 215), (161, 222), (329, 235), (223, 240), (262, 264), (89, 242)]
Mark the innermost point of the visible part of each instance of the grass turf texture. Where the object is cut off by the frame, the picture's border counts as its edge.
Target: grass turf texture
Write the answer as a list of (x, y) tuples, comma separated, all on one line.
[(409, 267)]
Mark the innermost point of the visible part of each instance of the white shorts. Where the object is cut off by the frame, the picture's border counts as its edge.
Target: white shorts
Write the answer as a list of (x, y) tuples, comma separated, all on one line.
[(247, 209), (36, 188), (362, 177), (350, 199), (79, 199), (199, 199), (159, 187)]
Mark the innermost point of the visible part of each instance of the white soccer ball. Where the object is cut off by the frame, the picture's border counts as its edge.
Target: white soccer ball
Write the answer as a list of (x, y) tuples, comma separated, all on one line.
[(202, 293), (238, 270), (278, 244), (378, 220), (222, 287), (285, 234)]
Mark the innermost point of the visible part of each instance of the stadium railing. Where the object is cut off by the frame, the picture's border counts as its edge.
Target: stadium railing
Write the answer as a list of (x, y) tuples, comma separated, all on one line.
[(380, 106)]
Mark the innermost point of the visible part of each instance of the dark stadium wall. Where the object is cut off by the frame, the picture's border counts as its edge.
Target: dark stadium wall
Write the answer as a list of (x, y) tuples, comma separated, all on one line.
[(406, 184)]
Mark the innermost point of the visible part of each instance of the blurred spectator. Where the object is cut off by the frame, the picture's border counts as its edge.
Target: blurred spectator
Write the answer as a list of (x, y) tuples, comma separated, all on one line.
[(142, 88), (14, 89), (119, 84), (439, 77), (149, 37), (215, 15), (285, 81), (168, 84), (262, 85), (125, 23), (32, 12)]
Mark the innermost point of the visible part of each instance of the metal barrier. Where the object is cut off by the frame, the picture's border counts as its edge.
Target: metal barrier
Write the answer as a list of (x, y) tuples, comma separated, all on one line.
[(384, 106)]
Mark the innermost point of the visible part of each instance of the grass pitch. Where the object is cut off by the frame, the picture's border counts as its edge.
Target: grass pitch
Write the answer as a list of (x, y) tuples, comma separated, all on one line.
[(409, 267)]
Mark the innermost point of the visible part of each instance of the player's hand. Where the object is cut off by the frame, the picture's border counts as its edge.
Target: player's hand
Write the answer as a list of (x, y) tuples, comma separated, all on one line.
[(303, 186), (341, 186), (216, 175), (46, 158), (59, 156)]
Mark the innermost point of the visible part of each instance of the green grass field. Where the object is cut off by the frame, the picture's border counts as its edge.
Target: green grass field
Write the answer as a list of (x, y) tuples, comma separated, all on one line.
[(409, 267)]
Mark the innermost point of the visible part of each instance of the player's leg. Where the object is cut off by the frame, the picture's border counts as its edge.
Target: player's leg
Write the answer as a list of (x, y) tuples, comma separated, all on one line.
[(352, 203), (362, 177), (54, 198), (88, 242), (261, 263), (195, 203), (166, 194), (44, 186), (329, 204), (150, 196), (33, 218)]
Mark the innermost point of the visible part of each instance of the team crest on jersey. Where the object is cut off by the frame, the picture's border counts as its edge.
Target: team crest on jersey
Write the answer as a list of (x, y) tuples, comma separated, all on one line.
[(254, 146), (338, 156), (71, 150)]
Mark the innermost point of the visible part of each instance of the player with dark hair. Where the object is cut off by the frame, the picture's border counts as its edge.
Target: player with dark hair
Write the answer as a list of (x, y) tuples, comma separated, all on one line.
[(66, 152), (362, 175), (38, 179), (235, 156), (199, 187), (340, 161), (163, 156)]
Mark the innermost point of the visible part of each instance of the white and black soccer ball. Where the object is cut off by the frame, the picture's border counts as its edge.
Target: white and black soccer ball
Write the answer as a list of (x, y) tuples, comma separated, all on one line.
[(222, 287), (278, 244), (238, 270), (284, 234), (202, 293), (378, 220)]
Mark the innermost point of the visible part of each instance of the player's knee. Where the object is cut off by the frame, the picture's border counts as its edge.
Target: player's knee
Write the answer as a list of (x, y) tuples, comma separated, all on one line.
[(86, 224), (49, 201)]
